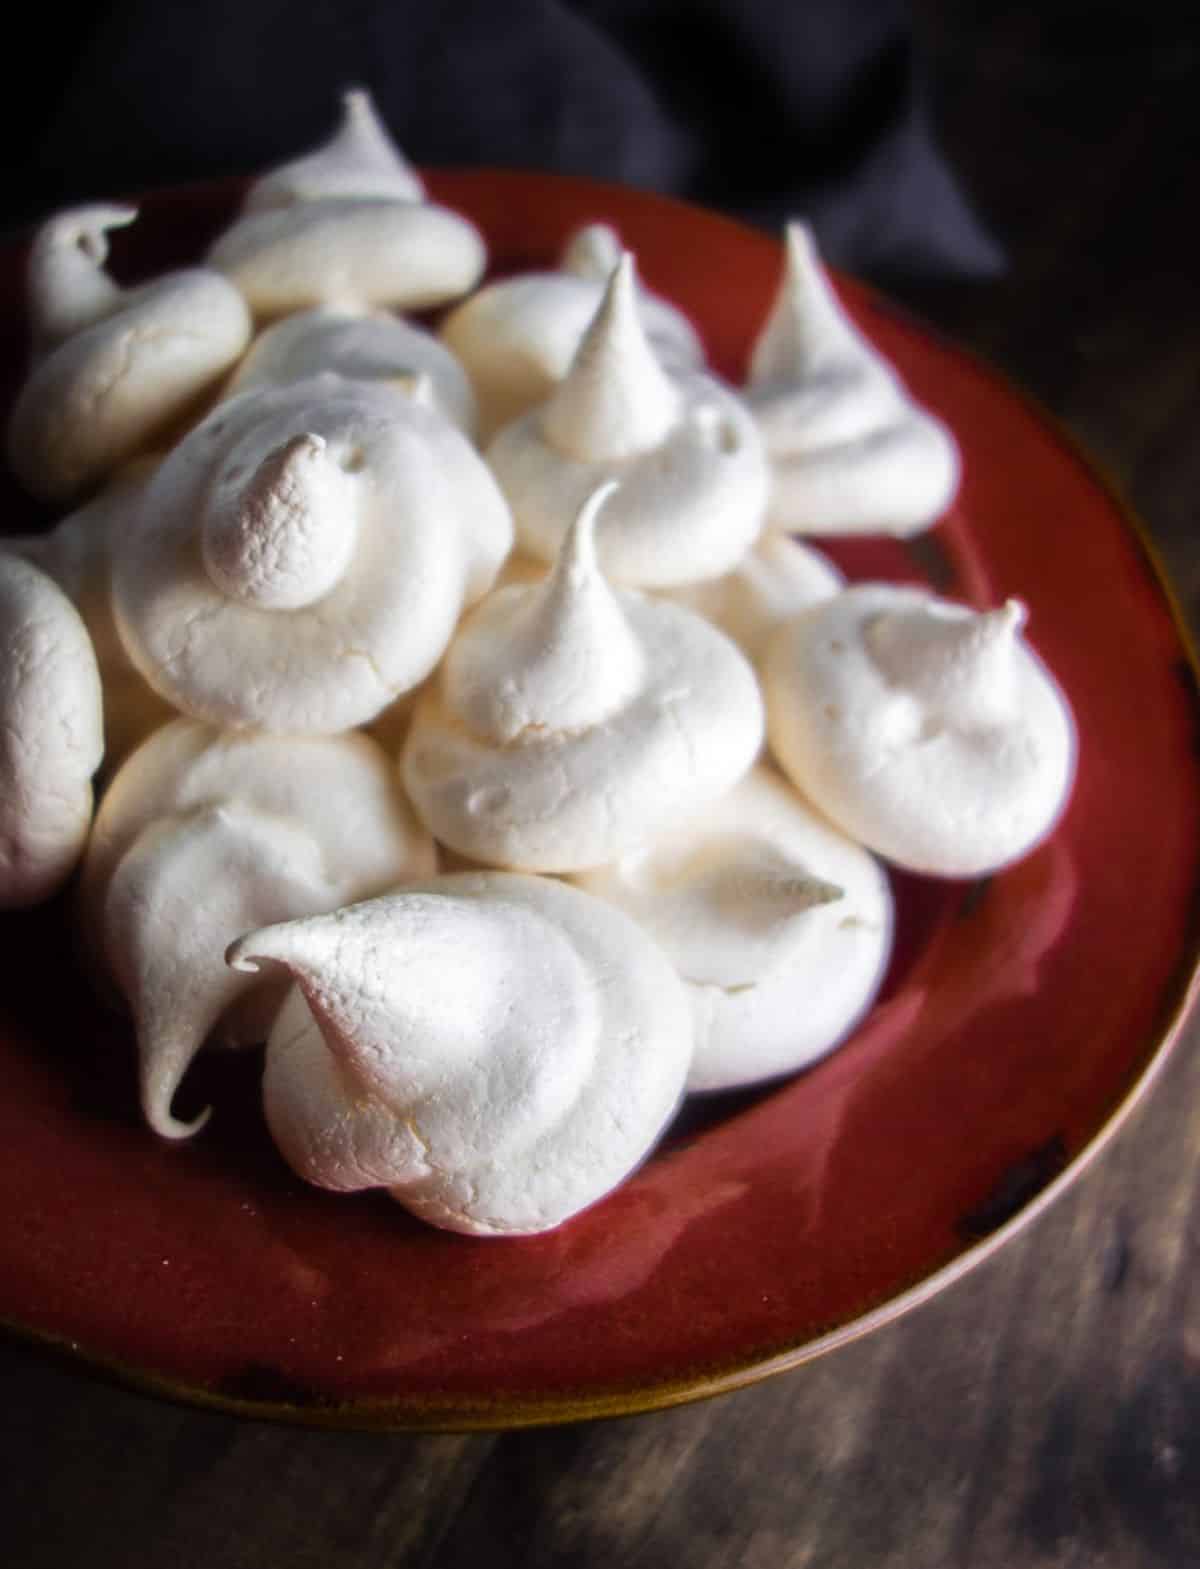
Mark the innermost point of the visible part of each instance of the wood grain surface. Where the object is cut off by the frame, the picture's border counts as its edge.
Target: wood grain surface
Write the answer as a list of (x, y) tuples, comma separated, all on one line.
[(1045, 1412)]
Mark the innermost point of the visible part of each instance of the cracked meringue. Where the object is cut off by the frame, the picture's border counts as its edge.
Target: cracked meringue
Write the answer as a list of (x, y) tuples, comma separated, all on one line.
[(114, 368), (203, 835), (359, 159), (498, 1097), (301, 558), (517, 336), (779, 926), (850, 450), (930, 732), (376, 347), (51, 733), (772, 582), (692, 468), (570, 723)]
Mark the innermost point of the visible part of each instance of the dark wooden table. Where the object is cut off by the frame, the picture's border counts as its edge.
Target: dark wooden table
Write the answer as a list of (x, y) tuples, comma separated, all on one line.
[(1046, 1410)]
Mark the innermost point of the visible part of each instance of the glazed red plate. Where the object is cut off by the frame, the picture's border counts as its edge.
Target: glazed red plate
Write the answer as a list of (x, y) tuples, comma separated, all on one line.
[(1021, 1017)]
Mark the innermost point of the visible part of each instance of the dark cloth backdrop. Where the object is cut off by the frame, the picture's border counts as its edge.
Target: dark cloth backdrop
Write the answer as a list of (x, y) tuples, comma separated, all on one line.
[(764, 108)]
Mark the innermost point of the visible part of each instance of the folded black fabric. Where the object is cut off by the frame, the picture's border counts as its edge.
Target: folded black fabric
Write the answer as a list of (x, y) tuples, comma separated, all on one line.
[(764, 108)]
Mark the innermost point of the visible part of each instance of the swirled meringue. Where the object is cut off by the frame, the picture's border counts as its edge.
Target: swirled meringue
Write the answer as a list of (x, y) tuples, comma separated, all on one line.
[(51, 739), (77, 553), (778, 924), (772, 582), (930, 732), (203, 835), (495, 1097), (302, 557), (692, 469), (570, 723), (359, 159), (352, 253), (517, 336), (115, 368), (375, 347), (851, 452)]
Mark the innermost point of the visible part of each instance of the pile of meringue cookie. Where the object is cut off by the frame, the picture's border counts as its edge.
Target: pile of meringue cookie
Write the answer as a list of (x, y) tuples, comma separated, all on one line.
[(466, 719)]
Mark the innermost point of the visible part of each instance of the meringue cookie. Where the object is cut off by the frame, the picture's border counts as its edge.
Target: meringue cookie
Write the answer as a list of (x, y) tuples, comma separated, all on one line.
[(570, 723), (495, 1097), (376, 347), (851, 452), (773, 582), (77, 553), (302, 557), (51, 739), (778, 924), (692, 469), (117, 367), (930, 732), (352, 253), (360, 159), (204, 834), (517, 336)]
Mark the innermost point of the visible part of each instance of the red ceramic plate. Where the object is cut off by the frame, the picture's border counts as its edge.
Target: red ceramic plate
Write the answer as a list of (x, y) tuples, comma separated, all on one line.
[(1021, 1016)]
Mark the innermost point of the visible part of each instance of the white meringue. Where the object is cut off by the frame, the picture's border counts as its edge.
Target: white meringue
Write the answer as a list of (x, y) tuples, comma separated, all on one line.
[(360, 159), (375, 347), (930, 732), (517, 336), (772, 582), (204, 834), (851, 451), (77, 554), (497, 1051), (570, 723), (301, 559), (778, 924), (51, 739), (117, 367), (692, 468), (66, 283), (351, 253)]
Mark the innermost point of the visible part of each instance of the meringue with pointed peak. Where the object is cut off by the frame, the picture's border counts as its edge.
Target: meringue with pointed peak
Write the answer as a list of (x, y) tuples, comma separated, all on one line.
[(354, 237), (77, 553), (691, 465), (517, 336), (773, 582), (851, 452), (498, 1097), (570, 722), (301, 558), (377, 347), (779, 926), (203, 835), (114, 369), (51, 733), (930, 732), (359, 159)]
